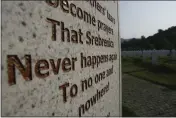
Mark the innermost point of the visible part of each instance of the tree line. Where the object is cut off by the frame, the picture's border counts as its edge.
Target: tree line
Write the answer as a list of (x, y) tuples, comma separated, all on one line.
[(163, 39)]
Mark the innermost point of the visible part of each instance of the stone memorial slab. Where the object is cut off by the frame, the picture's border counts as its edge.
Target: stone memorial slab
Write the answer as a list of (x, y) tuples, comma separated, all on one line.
[(60, 58)]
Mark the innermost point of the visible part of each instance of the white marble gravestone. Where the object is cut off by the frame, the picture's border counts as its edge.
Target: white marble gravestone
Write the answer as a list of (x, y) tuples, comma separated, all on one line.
[(154, 57), (173, 54)]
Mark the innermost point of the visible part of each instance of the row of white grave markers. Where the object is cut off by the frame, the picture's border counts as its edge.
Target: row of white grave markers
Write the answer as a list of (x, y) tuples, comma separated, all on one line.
[(154, 54)]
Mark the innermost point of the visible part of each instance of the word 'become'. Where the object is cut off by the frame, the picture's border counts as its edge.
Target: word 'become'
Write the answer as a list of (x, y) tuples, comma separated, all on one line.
[(73, 10), (82, 15)]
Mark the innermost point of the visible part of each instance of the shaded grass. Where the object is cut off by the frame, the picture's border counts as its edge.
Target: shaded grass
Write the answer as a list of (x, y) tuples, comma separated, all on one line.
[(126, 112), (162, 73), (130, 67), (156, 68), (168, 81)]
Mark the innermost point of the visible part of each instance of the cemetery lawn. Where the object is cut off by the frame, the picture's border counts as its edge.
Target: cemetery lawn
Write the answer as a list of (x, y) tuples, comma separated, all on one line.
[(163, 73), (126, 112)]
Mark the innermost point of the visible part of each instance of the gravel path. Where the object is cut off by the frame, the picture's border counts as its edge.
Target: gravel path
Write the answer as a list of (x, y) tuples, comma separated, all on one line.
[(147, 99)]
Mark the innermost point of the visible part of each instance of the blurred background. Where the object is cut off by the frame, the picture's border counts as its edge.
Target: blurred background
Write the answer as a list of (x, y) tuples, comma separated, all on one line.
[(148, 43)]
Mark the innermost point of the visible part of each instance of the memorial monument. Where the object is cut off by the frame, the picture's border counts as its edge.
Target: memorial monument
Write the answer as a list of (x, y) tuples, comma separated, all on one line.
[(60, 58)]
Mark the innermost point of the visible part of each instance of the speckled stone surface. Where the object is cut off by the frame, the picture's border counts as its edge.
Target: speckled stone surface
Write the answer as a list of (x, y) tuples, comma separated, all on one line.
[(25, 31)]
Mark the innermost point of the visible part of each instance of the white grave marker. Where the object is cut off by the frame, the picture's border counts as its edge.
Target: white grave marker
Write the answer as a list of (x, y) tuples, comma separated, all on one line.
[(154, 57)]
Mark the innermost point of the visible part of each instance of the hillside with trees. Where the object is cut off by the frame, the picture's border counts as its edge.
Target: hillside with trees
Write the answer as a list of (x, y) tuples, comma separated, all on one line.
[(163, 39)]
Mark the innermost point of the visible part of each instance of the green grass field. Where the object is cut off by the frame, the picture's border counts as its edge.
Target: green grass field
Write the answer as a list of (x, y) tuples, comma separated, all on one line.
[(163, 73), (126, 112)]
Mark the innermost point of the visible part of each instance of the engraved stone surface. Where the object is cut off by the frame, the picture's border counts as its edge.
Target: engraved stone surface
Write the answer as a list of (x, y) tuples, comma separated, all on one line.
[(39, 60)]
